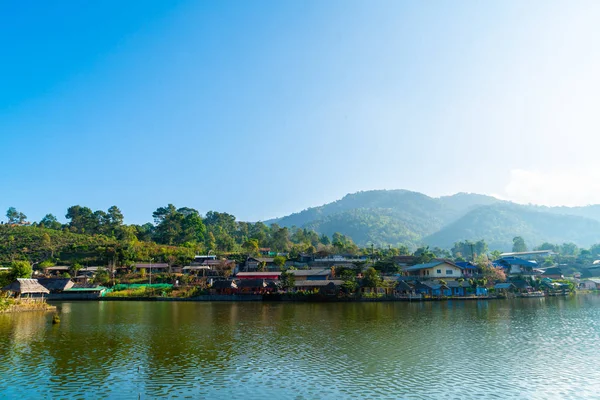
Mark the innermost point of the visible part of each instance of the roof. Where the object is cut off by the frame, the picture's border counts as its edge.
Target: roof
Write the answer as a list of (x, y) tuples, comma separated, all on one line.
[(56, 283), (432, 285), (517, 261), (504, 286), (318, 283), (311, 272), (151, 265), (526, 253), (429, 265), (552, 271), (455, 284), (258, 274), (521, 284), (466, 265), (57, 268), (25, 286), (262, 259), (403, 286)]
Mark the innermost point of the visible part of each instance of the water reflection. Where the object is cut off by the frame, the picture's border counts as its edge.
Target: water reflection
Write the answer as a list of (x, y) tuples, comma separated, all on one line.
[(454, 349)]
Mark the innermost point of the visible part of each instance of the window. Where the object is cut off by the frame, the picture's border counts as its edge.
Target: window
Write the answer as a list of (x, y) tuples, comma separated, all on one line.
[(449, 272), (439, 271)]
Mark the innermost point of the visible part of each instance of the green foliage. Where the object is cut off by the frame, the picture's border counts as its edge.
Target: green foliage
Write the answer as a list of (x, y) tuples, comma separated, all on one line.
[(371, 278), (519, 244), (469, 250), (15, 217), (287, 280), (279, 261), (20, 269)]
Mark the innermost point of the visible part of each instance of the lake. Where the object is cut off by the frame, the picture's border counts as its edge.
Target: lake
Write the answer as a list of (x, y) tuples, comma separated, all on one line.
[(522, 348)]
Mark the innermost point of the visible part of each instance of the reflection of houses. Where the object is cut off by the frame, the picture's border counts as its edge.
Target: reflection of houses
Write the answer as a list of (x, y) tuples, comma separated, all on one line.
[(435, 269), (28, 287)]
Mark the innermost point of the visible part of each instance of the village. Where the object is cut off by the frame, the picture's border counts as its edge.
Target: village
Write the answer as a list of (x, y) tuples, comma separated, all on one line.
[(340, 277)]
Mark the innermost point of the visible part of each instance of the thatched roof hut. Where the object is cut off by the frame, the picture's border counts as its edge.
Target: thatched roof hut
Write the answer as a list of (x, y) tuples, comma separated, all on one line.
[(25, 286)]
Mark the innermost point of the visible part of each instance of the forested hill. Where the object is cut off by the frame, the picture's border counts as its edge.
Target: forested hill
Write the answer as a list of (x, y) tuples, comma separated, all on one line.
[(400, 216)]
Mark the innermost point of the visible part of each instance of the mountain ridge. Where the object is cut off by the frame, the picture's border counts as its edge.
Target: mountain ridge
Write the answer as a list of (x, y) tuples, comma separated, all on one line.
[(393, 217)]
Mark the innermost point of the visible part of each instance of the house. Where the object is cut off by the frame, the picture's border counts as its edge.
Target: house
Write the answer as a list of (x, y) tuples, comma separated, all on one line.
[(260, 263), (312, 274), (591, 272), (456, 288), (430, 288), (56, 285), (469, 269), (552, 273), (405, 261), (224, 287), (521, 285), (590, 284), (403, 289), (506, 287), (26, 286), (324, 287), (58, 270), (252, 286), (517, 266), (152, 267), (435, 269)]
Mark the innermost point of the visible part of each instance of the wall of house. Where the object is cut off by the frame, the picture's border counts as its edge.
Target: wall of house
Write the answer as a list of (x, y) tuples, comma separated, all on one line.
[(456, 272)]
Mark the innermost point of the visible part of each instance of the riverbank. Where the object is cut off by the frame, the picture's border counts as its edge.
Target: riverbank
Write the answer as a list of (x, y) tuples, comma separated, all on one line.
[(23, 305)]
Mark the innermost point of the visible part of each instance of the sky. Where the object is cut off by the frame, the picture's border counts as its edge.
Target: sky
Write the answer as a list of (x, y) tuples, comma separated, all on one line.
[(264, 108)]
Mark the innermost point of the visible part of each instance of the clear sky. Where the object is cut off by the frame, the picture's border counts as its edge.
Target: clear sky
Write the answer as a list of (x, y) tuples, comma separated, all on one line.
[(263, 108)]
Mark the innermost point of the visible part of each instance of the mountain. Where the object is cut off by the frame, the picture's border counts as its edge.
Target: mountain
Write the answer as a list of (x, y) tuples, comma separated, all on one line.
[(499, 223), (403, 217)]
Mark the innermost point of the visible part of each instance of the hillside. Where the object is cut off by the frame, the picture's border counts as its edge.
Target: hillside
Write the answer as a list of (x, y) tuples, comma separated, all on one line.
[(498, 224), (399, 216)]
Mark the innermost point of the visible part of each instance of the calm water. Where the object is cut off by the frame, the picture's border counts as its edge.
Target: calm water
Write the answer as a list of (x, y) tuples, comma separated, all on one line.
[(529, 348)]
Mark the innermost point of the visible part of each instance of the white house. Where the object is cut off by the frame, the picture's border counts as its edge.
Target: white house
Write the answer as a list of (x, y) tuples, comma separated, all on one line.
[(435, 269)]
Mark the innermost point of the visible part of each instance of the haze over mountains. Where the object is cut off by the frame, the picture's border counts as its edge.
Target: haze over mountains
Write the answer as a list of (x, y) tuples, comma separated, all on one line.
[(385, 217)]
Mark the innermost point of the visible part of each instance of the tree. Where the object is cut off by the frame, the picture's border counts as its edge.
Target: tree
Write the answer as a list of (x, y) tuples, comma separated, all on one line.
[(371, 278), (15, 217), (287, 280), (424, 255), (20, 269), (279, 261), (251, 246), (519, 244), (49, 221)]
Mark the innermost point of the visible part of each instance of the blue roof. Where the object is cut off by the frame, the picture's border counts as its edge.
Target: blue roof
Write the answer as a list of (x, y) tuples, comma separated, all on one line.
[(466, 265), (517, 261), (503, 285)]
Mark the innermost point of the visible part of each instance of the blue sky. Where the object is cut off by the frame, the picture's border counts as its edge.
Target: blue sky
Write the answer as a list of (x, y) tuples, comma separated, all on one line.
[(263, 108)]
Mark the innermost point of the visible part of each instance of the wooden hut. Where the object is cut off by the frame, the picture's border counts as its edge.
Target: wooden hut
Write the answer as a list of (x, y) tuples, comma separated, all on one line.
[(26, 286)]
